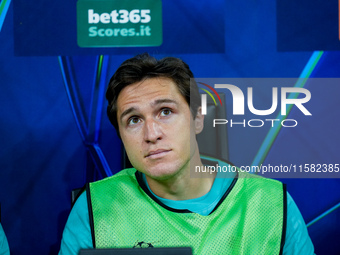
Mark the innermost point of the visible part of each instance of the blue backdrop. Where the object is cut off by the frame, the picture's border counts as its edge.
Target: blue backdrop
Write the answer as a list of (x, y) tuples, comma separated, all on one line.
[(55, 136)]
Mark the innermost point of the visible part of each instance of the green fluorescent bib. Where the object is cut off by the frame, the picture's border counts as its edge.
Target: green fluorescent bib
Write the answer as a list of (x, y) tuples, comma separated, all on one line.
[(249, 220)]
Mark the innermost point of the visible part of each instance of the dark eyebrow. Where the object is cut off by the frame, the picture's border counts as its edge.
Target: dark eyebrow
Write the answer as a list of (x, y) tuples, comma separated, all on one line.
[(157, 102), (127, 111)]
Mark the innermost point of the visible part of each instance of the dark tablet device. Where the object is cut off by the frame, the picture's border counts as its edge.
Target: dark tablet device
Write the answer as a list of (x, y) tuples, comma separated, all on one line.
[(136, 251)]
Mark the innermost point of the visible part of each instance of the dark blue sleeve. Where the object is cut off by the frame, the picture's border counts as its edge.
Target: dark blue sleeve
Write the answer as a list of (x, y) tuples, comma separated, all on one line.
[(77, 232), (297, 239), (4, 248)]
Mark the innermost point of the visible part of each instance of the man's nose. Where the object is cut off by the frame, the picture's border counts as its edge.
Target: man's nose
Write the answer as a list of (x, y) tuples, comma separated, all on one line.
[(152, 131)]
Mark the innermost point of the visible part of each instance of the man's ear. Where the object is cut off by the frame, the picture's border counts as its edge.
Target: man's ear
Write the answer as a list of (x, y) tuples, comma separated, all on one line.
[(199, 121)]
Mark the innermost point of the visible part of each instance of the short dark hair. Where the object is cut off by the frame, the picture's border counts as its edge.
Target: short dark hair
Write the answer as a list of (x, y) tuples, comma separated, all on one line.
[(144, 66)]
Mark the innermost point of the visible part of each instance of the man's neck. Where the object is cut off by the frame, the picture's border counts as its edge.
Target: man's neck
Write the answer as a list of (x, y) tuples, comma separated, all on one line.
[(182, 186)]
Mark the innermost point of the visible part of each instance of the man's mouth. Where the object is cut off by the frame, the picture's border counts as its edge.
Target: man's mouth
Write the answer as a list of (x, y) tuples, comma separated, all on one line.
[(157, 153)]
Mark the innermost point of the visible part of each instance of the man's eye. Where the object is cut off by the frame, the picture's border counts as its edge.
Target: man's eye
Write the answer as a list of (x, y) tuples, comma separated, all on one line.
[(166, 112), (133, 121)]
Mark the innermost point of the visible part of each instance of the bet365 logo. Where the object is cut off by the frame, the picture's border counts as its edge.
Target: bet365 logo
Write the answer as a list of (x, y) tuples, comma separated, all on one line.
[(128, 23)]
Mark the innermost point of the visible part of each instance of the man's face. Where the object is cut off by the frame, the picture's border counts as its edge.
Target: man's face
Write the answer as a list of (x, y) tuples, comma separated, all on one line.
[(156, 127)]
